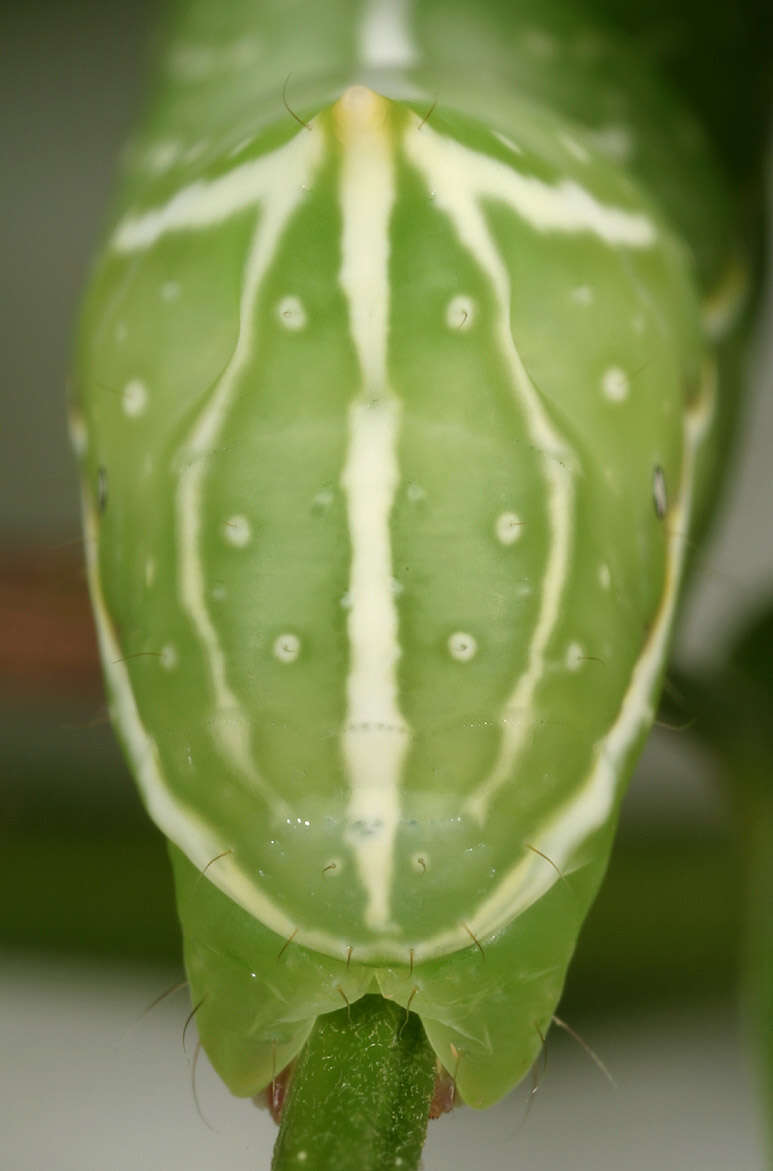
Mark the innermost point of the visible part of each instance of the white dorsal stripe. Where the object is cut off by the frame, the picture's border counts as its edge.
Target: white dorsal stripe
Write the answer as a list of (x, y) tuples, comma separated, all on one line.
[(375, 737), (452, 173), (206, 203), (283, 186), (384, 35)]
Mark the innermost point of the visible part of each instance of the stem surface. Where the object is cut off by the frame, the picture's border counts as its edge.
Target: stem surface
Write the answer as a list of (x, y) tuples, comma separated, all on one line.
[(360, 1093)]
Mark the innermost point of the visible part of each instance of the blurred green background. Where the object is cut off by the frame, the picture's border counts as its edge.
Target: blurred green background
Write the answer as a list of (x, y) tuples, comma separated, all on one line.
[(87, 927)]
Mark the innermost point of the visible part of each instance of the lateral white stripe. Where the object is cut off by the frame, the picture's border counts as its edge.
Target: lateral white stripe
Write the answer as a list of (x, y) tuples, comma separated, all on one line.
[(563, 836), (375, 737), (173, 817), (290, 170), (384, 36), (452, 172)]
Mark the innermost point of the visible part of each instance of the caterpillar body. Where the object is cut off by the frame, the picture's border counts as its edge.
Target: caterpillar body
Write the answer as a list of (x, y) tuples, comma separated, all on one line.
[(397, 403)]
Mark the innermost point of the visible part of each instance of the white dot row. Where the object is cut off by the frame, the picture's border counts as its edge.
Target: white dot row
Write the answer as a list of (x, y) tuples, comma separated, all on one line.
[(462, 647), (615, 383), (238, 533)]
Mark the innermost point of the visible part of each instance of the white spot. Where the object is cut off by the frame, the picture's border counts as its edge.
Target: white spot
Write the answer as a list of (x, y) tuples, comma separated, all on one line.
[(236, 531), (162, 156), (120, 333), (638, 322), (396, 587), (302, 1156), (322, 500), (415, 492), (384, 36), (291, 313), (616, 142), (168, 657), (346, 600), (508, 527), (605, 577), (287, 648), (462, 646), (582, 295), (574, 656), (460, 313), (79, 436), (659, 492), (150, 571), (135, 398), (170, 290), (219, 593), (615, 384)]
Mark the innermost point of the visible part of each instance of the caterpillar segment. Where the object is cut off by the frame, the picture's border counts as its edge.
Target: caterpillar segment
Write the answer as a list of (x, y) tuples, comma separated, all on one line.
[(395, 409)]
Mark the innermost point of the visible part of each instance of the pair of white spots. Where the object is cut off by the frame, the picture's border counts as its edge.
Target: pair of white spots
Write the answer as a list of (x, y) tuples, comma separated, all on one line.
[(134, 397), (460, 313), (463, 178), (615, 383), (237, 532)]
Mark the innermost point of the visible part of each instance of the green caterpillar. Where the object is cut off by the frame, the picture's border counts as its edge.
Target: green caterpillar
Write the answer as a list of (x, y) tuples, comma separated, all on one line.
[(397, 407)]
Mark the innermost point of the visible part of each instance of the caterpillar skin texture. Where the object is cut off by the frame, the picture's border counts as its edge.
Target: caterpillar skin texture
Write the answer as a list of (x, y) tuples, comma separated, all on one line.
[(394, 416)]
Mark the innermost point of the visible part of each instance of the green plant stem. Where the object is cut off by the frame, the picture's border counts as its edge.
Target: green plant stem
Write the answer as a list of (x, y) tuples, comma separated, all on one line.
[(360, 1093)]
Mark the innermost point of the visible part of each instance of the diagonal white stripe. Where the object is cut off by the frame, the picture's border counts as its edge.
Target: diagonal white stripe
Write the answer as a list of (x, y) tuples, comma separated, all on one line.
[(459, 178), (203, 204), (291, 169)]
